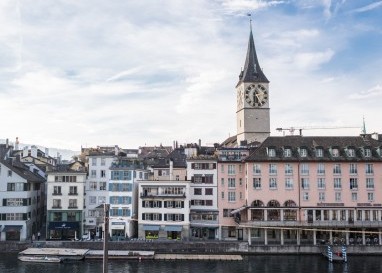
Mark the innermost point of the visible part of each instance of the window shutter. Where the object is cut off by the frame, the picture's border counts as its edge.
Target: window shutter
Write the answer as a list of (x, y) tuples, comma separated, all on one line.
[(165, 204), (25, 202), (182, 204), (25, 216), (160, 204), (214, 165), (4, 202), (143, 204), (160, 217), (182, 217), (165, 217), (192, 165), (143, 216), (173, 204)]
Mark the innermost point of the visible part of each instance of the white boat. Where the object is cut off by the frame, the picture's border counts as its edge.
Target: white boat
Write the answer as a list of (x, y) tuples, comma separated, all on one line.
[(39, 259)]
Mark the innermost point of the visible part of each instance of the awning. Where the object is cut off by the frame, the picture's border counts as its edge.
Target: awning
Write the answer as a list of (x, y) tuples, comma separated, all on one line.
[(151, 227), (173, 228), (12, 228), (238, 210), (63, 225)]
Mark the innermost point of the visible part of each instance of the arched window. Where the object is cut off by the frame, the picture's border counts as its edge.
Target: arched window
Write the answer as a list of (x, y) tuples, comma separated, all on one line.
[(273, 214), (290, 214), (257, 214)]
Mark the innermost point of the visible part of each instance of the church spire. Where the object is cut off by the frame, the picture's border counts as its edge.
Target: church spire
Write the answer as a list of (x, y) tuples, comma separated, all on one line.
[(252, 71)]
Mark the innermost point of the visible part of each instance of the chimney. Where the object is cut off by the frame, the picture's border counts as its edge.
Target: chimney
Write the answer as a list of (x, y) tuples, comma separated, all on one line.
[(116, 150), (200, 142), (7, 143), (171, 169), (17, 144)]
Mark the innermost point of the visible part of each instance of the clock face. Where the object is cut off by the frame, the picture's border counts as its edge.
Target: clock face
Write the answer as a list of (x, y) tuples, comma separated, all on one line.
[(256, 95)]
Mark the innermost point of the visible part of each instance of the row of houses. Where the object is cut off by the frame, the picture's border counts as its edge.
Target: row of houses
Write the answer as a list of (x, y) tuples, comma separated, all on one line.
[(286, 190)]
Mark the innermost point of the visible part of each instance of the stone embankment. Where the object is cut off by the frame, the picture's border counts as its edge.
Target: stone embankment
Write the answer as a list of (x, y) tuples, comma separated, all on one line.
[(209, 247)]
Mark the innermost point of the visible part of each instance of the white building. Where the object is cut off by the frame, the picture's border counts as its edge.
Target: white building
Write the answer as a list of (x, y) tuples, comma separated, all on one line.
[(20, 191), (164, 210), (204, 213), (65, 203)]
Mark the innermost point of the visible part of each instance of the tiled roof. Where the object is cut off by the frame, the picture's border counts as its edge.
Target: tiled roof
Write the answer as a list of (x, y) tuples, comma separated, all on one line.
[(312, 143)]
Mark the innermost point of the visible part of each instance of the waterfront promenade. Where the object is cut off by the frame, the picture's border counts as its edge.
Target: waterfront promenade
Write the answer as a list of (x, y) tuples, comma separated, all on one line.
[(189, 247)]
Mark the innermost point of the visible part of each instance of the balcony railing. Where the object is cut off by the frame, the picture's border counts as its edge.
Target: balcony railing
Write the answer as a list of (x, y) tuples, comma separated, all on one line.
[(150, 195)]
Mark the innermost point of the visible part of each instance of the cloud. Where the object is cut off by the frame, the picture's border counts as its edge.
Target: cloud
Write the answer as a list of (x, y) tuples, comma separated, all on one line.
[(369, 7), (312, 60), (373, 92), (247, 6)]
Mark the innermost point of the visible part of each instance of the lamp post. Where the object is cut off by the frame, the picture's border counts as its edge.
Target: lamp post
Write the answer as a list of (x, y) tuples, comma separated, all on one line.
[(106, 238)]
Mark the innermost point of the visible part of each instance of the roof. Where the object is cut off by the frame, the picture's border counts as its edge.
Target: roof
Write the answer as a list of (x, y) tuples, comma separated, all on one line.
[(22, 170), (312, 143), (252, 71), (66, 168)]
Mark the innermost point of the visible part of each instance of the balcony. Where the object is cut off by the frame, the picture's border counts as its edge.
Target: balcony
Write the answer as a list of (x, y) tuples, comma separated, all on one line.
[(151, 195)]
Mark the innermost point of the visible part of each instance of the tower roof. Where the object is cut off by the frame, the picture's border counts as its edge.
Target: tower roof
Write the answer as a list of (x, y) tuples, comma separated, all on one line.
[(252, 71)]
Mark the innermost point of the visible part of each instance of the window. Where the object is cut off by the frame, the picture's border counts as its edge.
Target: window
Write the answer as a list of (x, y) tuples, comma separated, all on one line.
[(231, 169), (305, 196), (102, 186), (271, 152), (367, 152), (272, 169), (73, 190), (222, 194), (222, 181), (303, 152), (103, 161), (369, 169), (370, 183), (57, 203), (305, 183), (93, 174), (354, 196), (288, 169), (240, 168), (208, 191), (240, 181), (101, 199), (15, 202), (287, 152), (103, 173), (337, 183), (222, 168), (73, 203), (288, 183), (94, 161), (231, 183), (353, 183), (338, 196), (321, 183), (231, 196), (320, 168), (256, 169), (319, 152), (93, 186), (370, 196), (16, 186), (273, 183), (57, 190), (92, 200), (227, 213), (335, 152), (257, 183), (351, 152), (197, 191), (353, 168), (337, 169), (304, 168), (321, 196), (9, 173)]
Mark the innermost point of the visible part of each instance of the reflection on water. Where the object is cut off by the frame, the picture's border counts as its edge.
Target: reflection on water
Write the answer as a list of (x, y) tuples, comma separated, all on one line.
[(256, 264)]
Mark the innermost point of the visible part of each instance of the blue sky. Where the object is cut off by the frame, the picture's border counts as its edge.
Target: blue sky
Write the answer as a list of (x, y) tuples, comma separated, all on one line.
[(134, 73)]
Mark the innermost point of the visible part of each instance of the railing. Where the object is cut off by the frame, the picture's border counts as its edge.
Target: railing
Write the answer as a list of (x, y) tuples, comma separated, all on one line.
[(150, 195), (332, 224)]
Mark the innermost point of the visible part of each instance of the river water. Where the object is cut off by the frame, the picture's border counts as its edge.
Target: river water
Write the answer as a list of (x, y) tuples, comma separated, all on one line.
[(256, 264)]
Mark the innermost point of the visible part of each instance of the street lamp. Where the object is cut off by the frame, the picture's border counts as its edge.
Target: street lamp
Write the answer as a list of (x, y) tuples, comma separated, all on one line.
[(106, 208)]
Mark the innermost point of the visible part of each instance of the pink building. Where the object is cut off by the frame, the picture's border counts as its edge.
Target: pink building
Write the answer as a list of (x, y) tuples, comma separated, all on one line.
[(306, 190)]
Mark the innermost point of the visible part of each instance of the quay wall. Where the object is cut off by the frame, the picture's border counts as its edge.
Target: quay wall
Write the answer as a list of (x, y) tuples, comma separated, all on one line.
[(192, 247)]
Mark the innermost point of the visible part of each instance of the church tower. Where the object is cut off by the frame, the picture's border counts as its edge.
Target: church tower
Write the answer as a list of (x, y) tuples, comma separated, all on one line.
[(253, 120)]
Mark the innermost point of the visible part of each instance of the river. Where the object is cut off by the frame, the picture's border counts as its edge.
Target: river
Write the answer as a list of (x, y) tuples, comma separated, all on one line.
[(256, 264)]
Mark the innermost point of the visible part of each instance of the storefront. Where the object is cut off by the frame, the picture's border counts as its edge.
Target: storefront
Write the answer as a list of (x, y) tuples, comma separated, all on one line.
[(173, 232), (63, 230), (12, 232), (151, 231)]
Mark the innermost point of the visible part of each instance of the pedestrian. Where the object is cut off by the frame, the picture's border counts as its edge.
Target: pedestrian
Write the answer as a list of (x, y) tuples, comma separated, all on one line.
[(38, 236), (33, 238)]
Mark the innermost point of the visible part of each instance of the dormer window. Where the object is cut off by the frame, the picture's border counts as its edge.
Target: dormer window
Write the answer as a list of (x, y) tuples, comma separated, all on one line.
[(271, 152), (367, 152), (319, 152), (335, 152), (350, 152), (303, 152), (287, 152)]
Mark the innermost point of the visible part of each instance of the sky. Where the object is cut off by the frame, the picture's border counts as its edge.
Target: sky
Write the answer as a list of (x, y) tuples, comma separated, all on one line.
[(133, 73)]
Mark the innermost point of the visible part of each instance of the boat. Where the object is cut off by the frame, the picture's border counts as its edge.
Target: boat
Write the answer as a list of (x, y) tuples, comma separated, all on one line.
[(39, 259)]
